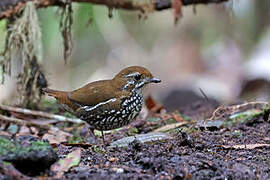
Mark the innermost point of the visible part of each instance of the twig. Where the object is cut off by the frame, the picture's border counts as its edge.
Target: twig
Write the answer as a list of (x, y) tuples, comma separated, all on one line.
[(10, 7), (40, 113), (23, 123), (206, 98)]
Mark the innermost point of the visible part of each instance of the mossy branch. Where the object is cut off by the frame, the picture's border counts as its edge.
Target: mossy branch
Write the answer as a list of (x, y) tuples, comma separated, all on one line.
[(8, 8)]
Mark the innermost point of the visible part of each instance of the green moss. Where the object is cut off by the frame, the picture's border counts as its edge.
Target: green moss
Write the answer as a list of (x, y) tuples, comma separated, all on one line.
[(69, 115), (39, 145), (6, 163), (7, 145), (188, 130), (10, 146), (133, 131), (245, 116), (77, 139), (50, 104), (97, 149)]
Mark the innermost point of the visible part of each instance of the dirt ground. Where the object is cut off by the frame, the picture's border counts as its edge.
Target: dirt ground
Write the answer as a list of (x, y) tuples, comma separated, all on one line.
[(239, 151), (197, 155)]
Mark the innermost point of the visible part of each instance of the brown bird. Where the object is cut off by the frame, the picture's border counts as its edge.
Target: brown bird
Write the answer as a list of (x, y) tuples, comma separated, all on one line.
[(108, 104)]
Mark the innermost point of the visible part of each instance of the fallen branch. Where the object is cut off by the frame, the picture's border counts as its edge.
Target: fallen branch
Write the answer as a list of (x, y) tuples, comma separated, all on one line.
[(24, 123), (9, 8), (40, 113), (246, 146)]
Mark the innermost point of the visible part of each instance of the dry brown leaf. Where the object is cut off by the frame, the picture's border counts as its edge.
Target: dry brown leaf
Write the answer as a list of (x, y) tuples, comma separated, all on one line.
[(152, 105), (245, 146), (177, 117), (63, 165), (56, 136)]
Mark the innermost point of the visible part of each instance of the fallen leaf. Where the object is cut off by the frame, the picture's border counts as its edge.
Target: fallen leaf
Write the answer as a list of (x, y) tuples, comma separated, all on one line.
[(152, 105), (246, 146), (177, 117), (56, 136), (63, 165)]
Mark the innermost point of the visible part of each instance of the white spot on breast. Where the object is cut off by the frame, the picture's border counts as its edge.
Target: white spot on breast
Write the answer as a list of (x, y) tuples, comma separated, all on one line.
[(109, 118), (112, 119), (104, 120), (134, 115)]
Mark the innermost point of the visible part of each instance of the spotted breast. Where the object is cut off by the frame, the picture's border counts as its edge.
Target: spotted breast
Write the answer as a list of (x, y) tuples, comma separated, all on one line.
[(108, 118)]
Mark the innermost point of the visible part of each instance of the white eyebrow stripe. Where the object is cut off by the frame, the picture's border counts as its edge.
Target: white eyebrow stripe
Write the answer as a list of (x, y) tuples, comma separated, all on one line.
[(132, 74)]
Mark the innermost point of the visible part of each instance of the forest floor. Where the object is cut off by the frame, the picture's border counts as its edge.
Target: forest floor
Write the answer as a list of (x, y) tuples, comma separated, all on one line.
[(199, 142)]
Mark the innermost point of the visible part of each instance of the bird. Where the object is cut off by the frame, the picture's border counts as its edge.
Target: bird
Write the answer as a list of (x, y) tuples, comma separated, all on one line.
[(107, 104)]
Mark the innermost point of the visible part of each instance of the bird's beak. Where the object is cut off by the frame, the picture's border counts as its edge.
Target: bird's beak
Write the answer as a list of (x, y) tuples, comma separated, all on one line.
[(155, 80)]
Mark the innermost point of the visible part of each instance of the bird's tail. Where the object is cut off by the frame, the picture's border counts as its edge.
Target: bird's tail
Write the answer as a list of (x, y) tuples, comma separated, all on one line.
[(55, 93)]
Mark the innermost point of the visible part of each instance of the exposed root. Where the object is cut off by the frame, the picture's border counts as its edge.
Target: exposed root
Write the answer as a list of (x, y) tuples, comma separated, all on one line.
[(65, 28), (23, 42)]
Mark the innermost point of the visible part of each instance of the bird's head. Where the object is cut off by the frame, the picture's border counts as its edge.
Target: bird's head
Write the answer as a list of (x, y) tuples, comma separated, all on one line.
[(134, 77)]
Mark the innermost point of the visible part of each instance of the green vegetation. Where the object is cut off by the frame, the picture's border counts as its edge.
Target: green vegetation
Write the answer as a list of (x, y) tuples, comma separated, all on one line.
[(11, 146), (133, 131)]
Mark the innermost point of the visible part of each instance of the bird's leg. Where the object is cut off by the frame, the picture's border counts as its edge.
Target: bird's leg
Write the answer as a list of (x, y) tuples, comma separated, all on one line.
[(103, 138)]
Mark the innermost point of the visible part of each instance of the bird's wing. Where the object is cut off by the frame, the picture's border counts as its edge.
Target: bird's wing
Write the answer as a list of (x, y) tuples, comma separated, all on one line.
[(102, 108), (92, 93)]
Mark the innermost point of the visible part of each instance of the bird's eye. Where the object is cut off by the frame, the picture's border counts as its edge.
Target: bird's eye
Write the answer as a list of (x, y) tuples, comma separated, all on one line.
[(138, 77)]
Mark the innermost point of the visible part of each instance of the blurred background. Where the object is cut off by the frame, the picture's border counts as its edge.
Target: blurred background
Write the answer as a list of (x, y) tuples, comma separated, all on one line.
[(223, 49)]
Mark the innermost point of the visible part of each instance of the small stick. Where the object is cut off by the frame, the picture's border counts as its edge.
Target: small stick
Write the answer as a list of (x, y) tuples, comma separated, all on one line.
[(40, 113), (23, 123), (206, 98)]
